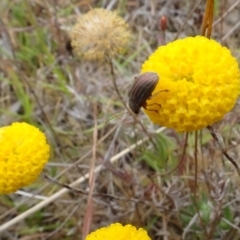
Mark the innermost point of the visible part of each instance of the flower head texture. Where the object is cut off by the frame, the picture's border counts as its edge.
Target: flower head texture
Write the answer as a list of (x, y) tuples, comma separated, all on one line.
[(23, 154), (117, 231), (202, 79), (99, 33)]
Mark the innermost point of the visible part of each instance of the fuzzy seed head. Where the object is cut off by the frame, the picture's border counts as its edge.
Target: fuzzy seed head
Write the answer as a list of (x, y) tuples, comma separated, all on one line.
[(100, 33)]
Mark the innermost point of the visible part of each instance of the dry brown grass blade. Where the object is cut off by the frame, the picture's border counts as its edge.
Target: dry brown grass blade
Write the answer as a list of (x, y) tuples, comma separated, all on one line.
[(218, 138), (188, 17), (89, 207), (230, 9), (208, 19), (233, 29)]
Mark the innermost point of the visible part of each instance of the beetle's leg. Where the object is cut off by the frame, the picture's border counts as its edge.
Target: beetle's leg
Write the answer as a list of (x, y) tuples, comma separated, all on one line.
[(153, 110), (146, 105), (165, 90)]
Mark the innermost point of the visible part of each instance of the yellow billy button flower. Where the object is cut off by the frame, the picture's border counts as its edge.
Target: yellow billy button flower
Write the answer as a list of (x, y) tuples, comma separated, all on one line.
[(99, 33), (203, 81), (23, 154), (117, 231)]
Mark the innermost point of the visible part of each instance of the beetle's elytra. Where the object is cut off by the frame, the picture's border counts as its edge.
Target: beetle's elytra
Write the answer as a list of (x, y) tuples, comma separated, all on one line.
[(142, 90)]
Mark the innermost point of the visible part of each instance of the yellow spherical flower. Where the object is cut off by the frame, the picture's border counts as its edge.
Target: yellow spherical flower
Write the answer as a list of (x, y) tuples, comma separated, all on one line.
[(117, 231), (203, 81), (23, 154), (100, 33)]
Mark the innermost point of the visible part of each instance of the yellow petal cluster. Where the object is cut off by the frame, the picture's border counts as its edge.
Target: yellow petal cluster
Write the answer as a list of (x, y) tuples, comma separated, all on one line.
[(100, 33), (117, 231), (203, 81), (23, 154)]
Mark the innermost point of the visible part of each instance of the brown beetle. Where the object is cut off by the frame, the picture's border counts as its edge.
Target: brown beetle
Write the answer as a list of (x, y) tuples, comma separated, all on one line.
[(142, 90)]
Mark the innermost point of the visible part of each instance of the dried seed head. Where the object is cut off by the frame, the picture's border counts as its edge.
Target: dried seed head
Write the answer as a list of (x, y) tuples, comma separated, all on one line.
[(99, 33)]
